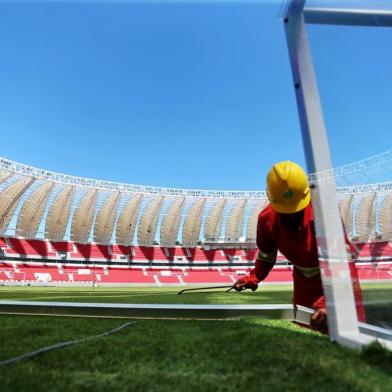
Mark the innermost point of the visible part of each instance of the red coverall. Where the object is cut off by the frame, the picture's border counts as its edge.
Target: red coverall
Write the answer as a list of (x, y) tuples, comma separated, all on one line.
[(297, 242)]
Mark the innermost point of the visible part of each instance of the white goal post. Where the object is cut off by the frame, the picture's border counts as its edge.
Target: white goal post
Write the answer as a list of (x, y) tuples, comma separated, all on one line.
[(343, 322)]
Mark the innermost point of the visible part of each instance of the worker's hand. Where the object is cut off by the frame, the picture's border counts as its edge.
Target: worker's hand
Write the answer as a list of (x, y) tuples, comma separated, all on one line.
[(247, 282), (318, 320)]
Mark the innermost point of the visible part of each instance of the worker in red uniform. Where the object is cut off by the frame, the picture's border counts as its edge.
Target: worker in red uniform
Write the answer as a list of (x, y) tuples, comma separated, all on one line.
[(286, 225)]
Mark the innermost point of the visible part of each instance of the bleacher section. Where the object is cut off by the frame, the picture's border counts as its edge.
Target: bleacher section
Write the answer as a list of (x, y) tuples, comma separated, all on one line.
[(91, 251), (44, 274), (374, 250), (32, 273), (47, 262), (23, 247), (42, 249)]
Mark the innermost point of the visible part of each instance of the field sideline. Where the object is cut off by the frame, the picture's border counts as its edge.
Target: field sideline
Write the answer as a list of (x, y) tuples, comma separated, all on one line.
[(162, 355)]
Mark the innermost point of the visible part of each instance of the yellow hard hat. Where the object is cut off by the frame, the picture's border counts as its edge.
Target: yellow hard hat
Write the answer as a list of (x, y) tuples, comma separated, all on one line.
[(288, 188)]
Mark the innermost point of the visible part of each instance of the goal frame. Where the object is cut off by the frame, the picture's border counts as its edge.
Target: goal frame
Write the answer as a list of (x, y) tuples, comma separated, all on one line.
[(342, 317)]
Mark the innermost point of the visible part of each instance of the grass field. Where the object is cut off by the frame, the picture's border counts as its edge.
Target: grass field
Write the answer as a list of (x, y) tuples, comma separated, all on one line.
[(377, 299), (162, 355)]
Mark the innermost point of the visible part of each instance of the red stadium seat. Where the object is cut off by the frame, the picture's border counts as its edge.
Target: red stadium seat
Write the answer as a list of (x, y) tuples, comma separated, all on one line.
[(224, 266)]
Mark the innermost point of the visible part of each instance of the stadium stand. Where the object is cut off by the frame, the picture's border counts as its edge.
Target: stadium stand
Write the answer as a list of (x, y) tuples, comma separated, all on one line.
[(23, 248), (121, 251), (49, 262), (60, 229), (374, 250), (62, 247), (91, 251)]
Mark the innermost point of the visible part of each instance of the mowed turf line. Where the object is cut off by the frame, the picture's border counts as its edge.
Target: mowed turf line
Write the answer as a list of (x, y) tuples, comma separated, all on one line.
[(156, 355), (265, 294), (377, 297)]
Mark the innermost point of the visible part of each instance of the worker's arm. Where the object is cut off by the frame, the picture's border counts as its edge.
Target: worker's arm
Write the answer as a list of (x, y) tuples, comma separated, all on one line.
[(265, 260), (263, 265)]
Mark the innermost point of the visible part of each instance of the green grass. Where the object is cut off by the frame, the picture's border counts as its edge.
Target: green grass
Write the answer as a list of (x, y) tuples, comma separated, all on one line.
[(157, 355), (377, 298), (267, 294)]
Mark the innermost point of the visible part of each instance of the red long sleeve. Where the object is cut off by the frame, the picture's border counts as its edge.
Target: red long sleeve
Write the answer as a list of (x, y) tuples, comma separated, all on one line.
[(261, 270)]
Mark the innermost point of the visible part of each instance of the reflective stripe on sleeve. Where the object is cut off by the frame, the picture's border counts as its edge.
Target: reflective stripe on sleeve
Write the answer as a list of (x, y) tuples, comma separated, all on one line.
[(268, 257), (309, 272)]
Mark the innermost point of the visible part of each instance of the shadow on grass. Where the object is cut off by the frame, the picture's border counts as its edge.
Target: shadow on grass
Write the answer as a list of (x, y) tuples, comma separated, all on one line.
[(379, 314), (376, 355)]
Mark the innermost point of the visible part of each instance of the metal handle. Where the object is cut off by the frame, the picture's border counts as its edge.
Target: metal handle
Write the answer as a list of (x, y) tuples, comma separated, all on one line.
[(231, 287)]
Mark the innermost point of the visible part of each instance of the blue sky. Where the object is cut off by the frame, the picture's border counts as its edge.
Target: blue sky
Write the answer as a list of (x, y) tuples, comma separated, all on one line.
[(190, 95)]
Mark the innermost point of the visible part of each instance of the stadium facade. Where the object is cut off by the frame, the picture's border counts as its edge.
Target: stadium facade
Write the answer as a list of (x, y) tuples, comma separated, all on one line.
[(40, 204), (57, 229)]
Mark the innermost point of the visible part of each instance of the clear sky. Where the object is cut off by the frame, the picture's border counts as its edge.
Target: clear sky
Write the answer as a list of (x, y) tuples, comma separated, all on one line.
[(189, 95)]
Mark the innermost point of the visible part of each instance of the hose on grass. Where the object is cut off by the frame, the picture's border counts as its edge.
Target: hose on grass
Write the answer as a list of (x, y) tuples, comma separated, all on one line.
[(43, 350)]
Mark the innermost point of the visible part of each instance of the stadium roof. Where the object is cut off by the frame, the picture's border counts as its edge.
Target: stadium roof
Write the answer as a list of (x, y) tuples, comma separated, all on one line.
[(36, 203)]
